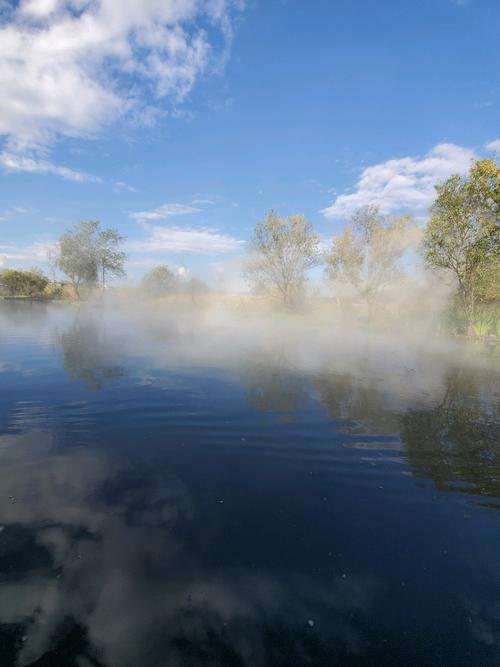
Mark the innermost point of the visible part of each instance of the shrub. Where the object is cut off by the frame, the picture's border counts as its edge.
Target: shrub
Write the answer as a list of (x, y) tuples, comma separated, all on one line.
[(23, 283)]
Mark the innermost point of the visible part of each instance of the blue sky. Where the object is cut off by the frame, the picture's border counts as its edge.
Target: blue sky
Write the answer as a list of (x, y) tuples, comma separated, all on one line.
[(182, 122)]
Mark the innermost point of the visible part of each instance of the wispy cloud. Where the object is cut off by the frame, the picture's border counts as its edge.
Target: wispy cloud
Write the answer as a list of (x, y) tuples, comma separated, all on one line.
[(196, 241), (38, 251), (493, 146), (164, 212), (11, 212), (402, 184), (12, 162), (121, 186), (205, 201)]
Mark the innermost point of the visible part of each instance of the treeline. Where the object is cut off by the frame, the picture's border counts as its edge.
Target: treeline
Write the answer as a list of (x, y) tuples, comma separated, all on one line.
[(162, 282), (460, 246), (86, 255)]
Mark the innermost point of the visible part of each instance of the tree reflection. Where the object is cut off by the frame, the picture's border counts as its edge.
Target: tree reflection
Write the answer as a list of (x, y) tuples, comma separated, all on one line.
[(89, 354), (357, 401), (25, 313), (457, 443), (274, 385)]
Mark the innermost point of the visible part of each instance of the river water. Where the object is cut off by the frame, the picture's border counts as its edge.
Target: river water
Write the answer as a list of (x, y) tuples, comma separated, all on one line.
[(199, 489)]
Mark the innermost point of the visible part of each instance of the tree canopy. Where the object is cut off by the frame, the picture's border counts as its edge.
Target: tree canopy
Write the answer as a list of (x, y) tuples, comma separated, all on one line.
[(159, 281), (110, 258), (365, 257), (462, 237), (87, 252), (281, 251)]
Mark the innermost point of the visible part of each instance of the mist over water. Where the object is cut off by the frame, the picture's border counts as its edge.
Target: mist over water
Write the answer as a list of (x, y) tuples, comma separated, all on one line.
[(216, 486)]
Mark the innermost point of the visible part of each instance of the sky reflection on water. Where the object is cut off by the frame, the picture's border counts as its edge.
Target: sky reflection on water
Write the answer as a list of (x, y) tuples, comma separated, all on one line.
[(195, 490)]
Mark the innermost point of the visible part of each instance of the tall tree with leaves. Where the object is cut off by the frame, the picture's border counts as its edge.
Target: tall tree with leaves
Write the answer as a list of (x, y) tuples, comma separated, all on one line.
[(86, 253), (110, 258), (462, 237), (76, 256), (365, 258), (280, 253)]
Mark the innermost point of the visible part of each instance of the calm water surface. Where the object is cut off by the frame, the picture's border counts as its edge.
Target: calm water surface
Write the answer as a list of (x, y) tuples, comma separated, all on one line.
[(190, 490)]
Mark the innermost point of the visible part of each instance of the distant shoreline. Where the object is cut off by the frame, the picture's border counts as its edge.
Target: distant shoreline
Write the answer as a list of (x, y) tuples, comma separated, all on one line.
[(35, 298)]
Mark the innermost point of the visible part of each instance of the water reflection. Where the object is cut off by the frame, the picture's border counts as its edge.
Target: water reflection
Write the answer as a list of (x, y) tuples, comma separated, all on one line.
[(457, 443), (23, 314), (90, 353), (359, 404), (149, 525), (273, 384), (109, 564)]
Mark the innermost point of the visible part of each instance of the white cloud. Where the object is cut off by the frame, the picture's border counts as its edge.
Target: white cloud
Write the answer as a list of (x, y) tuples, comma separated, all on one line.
[(12, 162), (403, 184), (206, 201), (121, 186), (163, 212), (493, 146), (11, 212), (70, 67), (38, 251), (201, 241)]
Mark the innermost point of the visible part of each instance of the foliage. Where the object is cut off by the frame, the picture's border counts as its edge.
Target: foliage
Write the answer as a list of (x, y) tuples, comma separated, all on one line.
[(481, 324), (160, 281), (77, 257), (280, 253), (109, 258), (55, 290), (86, 251), (23, 283), (365, 257), (463, 235)]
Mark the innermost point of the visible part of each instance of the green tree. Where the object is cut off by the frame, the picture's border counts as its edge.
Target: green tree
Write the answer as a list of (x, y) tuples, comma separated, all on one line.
[(23, 283), (110, 258), (77, 255), (280, 253), (462, 236), (366, 256), (160, 281), (86, 252)]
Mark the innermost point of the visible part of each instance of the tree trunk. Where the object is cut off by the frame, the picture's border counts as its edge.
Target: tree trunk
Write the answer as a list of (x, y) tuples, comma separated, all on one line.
[(468, 307)]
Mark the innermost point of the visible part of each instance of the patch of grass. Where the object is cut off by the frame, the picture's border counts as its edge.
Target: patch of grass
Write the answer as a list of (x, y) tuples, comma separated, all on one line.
[(481, 324)]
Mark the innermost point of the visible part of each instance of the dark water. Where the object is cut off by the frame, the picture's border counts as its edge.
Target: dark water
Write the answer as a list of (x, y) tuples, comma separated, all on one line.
[(180, 490)]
